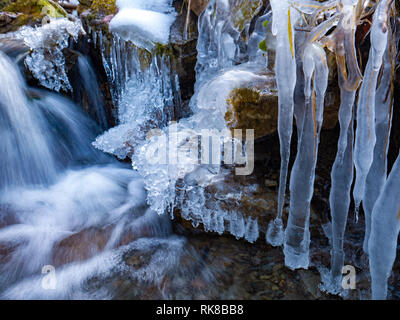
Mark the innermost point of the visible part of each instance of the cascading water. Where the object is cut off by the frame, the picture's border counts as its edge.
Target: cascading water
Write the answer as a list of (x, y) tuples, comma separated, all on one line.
[(66, 205), (21, 134)]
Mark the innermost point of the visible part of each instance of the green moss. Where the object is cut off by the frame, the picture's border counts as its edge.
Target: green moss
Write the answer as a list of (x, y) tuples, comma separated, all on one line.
[(144, 58), (104, 7), (241, 100), (37, 8), (263, 45), (250, 109), (162, 49)]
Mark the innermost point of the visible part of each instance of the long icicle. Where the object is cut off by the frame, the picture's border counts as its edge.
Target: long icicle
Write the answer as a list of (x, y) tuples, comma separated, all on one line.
[(365, 132), (341, 177), (285, 65), (342, 173), (297, 235), (383, 114)]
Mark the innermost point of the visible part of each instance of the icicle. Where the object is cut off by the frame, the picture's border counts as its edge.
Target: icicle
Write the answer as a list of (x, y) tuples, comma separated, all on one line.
[(343, 171), (285, 65), (383, 119), (341, 177), (384, 232), (297, 236), (251, 233), (365, 132)]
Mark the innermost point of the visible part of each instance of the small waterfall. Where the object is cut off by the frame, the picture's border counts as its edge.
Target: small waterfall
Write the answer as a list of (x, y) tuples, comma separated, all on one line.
[(22, 134), (66, 205)]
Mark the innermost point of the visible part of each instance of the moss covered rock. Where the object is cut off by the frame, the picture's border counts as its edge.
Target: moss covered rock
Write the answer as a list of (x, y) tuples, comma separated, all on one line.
[(103, 7), (30, 12), (254, 107), (37, 7)]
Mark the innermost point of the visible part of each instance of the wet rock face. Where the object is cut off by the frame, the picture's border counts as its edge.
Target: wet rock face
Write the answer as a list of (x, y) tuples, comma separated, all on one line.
[(183, 41), (13, 47), (79, 93)]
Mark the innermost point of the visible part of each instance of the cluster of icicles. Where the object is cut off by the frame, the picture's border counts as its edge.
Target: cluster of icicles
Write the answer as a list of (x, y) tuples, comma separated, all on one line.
[(304, 31), (366, 98)]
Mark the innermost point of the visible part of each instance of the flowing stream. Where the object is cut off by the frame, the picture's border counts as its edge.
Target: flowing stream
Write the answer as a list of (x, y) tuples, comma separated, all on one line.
[(68, 206)]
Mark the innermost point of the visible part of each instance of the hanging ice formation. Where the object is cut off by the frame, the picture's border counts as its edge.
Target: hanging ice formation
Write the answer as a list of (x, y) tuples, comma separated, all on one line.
[(220, 44), (343, 43), (145, 91), (383, 120), (373, 115), (283, 20), (365, 133), (181, 181), (384, 224), (297, 235)]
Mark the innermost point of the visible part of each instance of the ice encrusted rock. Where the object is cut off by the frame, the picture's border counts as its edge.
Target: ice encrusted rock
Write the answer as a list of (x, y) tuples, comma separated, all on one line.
[(174, 177), (145, 99), (46, 60)]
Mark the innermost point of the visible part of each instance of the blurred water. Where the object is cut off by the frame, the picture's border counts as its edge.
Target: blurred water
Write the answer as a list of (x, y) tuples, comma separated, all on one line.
[(62, 202)]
